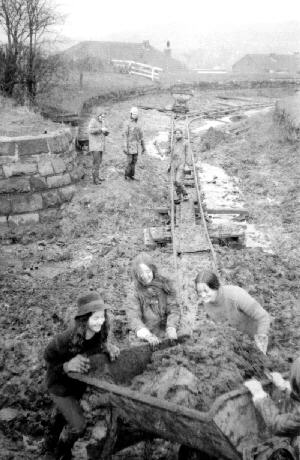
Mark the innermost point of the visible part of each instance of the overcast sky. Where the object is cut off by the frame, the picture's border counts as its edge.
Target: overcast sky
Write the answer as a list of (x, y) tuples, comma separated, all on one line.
[(101, 19)]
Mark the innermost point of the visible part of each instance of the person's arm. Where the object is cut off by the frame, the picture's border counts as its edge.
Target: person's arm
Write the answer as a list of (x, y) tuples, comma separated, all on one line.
[(134, 312), (58, 358), (125, 139), (173, 312), (254, 310), (94, 127), (142, 141), (107, 341), (287, 424)]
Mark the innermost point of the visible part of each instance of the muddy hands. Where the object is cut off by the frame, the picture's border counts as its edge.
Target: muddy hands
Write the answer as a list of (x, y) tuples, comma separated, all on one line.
[(79, 364)]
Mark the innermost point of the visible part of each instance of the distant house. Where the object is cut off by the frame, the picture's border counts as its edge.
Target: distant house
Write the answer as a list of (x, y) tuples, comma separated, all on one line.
[(108, 51), (268, 63)]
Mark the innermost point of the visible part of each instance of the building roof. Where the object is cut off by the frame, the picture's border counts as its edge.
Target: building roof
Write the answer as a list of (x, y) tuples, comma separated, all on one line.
[(106, 51), (274, 62)]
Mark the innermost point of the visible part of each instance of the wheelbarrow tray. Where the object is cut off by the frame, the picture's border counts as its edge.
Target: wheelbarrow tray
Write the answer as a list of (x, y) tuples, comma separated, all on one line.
[(225, 431)]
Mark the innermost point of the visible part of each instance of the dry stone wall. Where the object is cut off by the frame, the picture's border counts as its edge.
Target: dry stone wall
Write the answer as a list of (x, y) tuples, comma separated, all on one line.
[(36, 173)]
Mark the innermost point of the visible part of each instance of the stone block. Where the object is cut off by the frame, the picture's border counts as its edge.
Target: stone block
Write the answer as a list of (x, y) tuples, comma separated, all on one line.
[(58, 181), (27, 203), (5, 206), (49, 215), (45, 167), (58, 143), (51, 199), (24, 219), (19, 169), (3, 221), (67, 193), (38, 183), (32, 146), (77, 174), (14, 185), (7, 148), (58, 164)]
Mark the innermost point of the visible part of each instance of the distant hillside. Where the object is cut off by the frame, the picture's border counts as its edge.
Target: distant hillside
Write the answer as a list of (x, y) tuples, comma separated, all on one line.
[(108, 50)]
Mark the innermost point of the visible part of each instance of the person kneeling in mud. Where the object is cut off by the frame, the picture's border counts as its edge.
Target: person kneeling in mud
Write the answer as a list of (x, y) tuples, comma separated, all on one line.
[(180, 163), (66, 353), (281, 424), (234, 305), (153, 310)]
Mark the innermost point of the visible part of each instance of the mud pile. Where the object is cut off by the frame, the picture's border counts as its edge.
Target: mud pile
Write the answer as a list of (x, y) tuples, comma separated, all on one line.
[(206, 366)]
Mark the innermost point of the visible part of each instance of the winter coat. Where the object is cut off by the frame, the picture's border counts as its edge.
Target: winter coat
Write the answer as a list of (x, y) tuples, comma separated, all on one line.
[(133, 138), (97, 133), (153, 306), (288, 423), (60, 350), (235, 305)]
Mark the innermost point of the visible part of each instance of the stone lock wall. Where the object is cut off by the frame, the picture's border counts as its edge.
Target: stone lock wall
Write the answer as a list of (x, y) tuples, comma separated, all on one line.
[(36, 173)]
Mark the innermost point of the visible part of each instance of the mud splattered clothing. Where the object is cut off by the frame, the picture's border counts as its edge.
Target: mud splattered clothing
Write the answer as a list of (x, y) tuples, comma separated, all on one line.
[(287, 424), (180, 158), (235, 305), (153, 306), (133, 144), (66, 392), (60, 350), (97, 133)]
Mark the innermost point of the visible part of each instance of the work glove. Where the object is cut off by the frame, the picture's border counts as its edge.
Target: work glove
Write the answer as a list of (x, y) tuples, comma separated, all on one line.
[(105, 131), (256, 389), (279, 381), (171, 333), (79, 364), (261, 341), (113, 351), (145, 334)]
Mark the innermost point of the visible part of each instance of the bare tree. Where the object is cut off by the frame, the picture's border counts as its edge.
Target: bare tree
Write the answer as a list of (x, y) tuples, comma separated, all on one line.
[(26, 24)]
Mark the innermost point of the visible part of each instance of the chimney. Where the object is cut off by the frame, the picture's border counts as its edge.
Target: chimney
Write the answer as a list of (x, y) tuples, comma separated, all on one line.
[(167, 50)]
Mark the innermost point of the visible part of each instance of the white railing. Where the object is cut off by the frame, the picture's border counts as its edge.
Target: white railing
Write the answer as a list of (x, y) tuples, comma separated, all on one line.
[(137, 68)]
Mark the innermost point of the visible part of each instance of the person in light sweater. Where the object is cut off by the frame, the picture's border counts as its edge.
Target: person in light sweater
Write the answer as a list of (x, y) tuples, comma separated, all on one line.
[(232, 304)]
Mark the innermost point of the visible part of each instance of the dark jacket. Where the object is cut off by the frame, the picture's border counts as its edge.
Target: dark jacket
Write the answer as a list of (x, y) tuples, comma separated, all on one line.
[(63, 348), (153, 306)]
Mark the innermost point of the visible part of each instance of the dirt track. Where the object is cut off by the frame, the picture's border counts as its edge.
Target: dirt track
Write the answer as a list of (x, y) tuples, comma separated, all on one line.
[(91, 242)]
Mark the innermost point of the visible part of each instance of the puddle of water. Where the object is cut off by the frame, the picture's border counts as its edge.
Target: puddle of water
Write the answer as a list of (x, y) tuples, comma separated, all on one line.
[(221, 191)]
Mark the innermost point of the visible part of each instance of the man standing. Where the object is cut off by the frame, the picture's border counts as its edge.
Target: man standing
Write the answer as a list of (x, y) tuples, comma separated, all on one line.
[(133, 141), (97, 133)]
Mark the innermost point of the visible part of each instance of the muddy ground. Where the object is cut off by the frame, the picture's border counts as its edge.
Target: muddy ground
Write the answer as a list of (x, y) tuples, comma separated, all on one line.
[(89, 244)]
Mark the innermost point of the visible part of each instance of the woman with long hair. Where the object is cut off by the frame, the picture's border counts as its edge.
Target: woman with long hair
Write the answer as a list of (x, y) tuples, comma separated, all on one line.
[(152, 306), (232, 304), (66, 353)]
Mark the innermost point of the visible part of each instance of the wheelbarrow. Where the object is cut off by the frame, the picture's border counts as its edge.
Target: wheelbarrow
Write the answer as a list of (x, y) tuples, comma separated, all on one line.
[(231, 430)]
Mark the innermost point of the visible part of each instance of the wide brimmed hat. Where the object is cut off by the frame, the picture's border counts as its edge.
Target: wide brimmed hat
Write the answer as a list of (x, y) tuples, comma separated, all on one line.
[(89, 303)]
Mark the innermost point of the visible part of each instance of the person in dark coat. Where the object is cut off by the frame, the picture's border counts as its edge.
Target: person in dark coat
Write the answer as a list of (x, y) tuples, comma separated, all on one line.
[(66, 353), (152, 306), (281, 424)]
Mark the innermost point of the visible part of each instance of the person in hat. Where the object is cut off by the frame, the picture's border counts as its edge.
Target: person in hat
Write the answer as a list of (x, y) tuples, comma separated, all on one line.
[(179, 158), (97, 133), (152, 306), (133, 143), (281, 423), (232, 304), (67, 353)]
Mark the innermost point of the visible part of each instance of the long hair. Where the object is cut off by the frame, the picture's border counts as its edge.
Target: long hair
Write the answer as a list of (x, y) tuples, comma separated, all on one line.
[(295, 380), (158, 281), (79, 332), (209, 278)]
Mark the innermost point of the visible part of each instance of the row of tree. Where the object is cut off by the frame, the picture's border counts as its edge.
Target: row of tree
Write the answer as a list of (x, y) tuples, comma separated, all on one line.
[(26, 68)]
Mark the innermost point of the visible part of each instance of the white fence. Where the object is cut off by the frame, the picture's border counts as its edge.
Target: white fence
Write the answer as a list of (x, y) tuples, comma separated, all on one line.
[(137, 68)]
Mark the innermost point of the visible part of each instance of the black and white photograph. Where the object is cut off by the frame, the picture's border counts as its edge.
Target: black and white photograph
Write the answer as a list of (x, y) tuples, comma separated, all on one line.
[(149, 230)]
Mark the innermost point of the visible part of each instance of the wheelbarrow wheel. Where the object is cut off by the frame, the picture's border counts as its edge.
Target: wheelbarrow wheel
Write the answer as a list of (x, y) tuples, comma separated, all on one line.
[(187, 453)]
